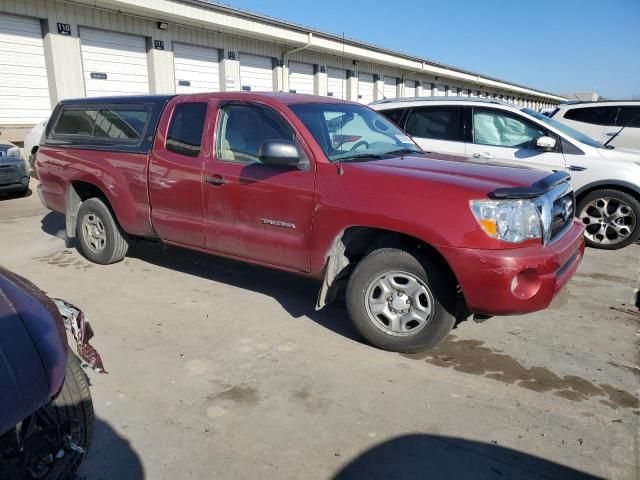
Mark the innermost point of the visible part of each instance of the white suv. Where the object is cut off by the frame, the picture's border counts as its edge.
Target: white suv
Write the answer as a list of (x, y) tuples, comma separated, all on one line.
[(612, 123), (606, 180)]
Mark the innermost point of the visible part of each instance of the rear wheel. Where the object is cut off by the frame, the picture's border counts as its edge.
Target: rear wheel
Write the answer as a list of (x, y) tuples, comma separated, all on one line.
[(611, 219), (101, 239), (401, 302)]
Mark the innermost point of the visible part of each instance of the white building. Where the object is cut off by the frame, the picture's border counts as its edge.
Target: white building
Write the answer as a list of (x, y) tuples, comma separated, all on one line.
[(56, 49)]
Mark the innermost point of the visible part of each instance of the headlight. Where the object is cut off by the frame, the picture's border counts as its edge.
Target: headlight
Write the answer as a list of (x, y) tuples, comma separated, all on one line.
[(508, 220), (14, 152)]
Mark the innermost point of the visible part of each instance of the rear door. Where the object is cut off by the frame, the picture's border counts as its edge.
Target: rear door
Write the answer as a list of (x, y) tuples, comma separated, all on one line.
[(252, 210), (499, 136), (175, 173), (437, 128)]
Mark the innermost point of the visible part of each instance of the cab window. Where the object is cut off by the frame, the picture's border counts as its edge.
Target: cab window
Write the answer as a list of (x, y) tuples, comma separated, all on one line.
[(242, 129)]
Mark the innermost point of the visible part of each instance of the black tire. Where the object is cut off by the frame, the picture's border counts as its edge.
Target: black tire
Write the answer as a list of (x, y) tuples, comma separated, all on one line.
[(115, 239), (434, 277), (73, 409), (591, 239)]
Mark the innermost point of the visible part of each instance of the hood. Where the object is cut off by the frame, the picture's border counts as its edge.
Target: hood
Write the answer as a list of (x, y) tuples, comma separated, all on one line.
[(458, 171)]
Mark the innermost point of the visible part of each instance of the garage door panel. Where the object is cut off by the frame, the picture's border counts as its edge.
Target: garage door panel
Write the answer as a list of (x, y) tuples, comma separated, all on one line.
[(122, 57), (196, 68), (390, 87), (256, 73), (365, 88), (24, 89), (337, 83), (301, 78), (409, 88)]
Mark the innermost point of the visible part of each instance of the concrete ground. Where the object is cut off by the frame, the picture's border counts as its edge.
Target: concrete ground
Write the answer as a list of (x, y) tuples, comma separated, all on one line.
[(222, 370)]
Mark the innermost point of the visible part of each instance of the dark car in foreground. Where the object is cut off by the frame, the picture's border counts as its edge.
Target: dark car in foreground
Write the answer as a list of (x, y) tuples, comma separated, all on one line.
[(46, 412)]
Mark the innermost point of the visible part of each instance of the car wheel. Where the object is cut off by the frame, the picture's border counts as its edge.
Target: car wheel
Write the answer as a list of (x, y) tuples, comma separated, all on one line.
[(611, 219), (401, 302), (101, 239)]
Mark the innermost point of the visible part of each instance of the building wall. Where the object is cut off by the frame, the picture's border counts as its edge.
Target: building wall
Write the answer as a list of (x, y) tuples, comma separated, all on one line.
[(66, 77)]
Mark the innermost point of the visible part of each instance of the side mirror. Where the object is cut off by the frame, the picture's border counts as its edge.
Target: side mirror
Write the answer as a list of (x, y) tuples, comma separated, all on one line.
[(546, 144), (279, 153)]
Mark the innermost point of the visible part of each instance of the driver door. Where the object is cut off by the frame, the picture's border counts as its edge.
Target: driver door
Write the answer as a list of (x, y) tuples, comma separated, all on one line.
[(255, 211), (503, 137)]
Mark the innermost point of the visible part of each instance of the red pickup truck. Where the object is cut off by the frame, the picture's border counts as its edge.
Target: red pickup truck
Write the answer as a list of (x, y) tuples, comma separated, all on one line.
[(320, 187)]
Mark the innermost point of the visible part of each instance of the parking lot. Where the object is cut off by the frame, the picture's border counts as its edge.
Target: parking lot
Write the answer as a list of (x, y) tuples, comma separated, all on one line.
[(222, 370)]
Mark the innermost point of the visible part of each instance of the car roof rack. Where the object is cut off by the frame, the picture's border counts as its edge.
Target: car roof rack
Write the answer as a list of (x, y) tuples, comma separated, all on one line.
[(440, 99)]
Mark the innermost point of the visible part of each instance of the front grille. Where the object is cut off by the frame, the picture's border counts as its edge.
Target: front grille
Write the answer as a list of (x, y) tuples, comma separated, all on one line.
[(9, 174), (562, 213)]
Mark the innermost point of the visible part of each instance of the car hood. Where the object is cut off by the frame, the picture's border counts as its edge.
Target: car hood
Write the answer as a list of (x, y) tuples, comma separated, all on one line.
[(481, 177)]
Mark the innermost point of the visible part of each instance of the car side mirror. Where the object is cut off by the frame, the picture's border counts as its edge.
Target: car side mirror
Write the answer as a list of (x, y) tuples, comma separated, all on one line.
[(279, 153), (546, 144)]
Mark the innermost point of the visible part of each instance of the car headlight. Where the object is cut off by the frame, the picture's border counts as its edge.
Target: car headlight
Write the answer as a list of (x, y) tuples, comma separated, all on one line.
[(14, 152), (508, 220)]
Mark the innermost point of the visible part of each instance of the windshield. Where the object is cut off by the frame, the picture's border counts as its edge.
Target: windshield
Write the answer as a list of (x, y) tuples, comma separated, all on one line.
[(348, 132), (576, 135)]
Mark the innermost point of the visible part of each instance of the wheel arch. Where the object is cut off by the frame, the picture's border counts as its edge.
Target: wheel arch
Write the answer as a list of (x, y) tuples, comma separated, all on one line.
[(355, 242), (621, 185), (77, 192)]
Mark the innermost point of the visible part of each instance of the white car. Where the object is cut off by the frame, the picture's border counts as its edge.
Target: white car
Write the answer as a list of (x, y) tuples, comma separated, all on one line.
[(611, 123), (32, 141), (606, 181)]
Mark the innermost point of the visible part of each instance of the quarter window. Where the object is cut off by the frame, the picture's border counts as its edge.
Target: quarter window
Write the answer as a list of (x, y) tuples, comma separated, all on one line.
[(498, 129), (185, 131), (243, 128), (592, 115), (395, 115), (438, 123), (629, 117)]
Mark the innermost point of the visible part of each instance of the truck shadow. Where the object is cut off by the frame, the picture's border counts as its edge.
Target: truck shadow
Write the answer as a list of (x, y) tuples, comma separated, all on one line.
[(438, 457), (296, 294)]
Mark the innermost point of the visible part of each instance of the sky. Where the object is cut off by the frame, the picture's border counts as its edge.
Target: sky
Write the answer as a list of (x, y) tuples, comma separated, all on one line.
[(557, 46)]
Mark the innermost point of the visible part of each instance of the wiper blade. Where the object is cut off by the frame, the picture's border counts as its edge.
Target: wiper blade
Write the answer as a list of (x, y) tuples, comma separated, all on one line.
[(403, 150), (358, 157)]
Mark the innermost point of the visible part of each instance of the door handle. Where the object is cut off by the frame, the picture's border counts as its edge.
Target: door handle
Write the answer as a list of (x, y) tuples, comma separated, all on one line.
[(576, 168), (216, 180), (485, 155)]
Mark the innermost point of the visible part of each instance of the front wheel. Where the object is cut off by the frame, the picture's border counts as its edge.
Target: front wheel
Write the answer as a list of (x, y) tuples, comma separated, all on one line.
[(401, 302), (611, 219), (52, 443)]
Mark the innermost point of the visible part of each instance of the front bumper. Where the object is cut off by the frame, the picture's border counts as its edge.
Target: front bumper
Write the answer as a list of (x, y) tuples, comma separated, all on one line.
[(15, 187), (518, 280)]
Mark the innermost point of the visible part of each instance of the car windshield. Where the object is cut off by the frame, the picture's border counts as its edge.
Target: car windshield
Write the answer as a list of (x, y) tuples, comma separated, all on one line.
[(353, 132), (576, 135)]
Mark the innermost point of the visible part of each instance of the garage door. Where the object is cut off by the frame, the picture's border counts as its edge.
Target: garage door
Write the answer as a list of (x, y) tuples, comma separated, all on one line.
[(365, 88), (440, 90), (301, 78), (337, 83), (113, 63), (390, 87), (453, 91), (409, 88), (196, 68), (24, 92), (256, 73)]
